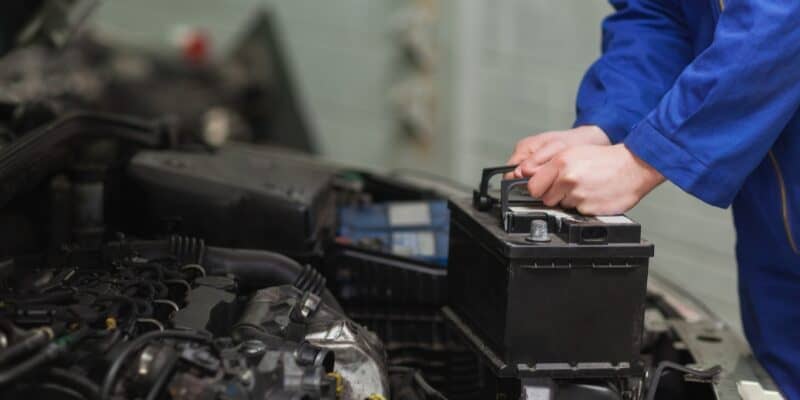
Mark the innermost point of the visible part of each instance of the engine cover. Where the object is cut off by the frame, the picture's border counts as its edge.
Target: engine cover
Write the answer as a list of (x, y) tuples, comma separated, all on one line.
[(238, 197)]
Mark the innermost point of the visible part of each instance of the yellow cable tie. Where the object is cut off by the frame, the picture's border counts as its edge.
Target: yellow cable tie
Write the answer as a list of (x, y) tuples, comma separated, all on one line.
[(339, 383)]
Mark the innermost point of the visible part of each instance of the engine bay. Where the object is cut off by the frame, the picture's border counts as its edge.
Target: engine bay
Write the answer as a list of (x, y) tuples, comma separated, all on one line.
[(158, 314)]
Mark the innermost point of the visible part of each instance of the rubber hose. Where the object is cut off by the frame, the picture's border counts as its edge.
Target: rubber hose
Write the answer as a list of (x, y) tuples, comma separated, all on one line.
[(254, 269), (259, 268), (49, 353), (35, 341), (80, 383)]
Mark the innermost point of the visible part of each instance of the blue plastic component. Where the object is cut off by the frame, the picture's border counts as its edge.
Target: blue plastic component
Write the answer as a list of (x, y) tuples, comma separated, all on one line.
[(416, 229)]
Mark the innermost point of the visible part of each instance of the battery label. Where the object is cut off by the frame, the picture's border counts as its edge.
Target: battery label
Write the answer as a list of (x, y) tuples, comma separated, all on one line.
[(409, 214), (558, 214), (615, 219), (414, 243)]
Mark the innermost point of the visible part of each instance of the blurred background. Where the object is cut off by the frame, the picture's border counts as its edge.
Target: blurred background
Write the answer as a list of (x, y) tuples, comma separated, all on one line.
[(443, 87)]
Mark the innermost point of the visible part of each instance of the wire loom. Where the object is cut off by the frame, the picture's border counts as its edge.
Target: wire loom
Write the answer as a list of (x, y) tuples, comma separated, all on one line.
[(108, 311)]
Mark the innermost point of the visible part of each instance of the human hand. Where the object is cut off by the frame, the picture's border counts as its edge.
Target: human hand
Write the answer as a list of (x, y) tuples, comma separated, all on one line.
[(538, 149), (596, 180)]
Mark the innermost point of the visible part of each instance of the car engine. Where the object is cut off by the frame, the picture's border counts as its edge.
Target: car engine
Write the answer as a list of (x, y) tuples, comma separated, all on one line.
[(140, 318)]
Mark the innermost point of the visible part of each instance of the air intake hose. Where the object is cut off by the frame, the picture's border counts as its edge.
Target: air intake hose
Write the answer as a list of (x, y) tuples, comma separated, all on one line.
[(253, 269)]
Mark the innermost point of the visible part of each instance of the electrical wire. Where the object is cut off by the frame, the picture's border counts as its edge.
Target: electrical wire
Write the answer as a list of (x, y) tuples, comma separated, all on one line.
[(163, 290), (35, 341), (80, 383), (429, 390), (49, 353), (163, 375), (168, 302), (195, 267), (146, 309), (111, 341), (151, 290), (49, 298), (158, 268), (63, 390), (151, 321), (131, 302), (181, 282), (663, 368)]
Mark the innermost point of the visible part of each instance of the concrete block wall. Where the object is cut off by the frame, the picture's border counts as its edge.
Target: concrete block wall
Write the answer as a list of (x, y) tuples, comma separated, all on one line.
[(518, 63)]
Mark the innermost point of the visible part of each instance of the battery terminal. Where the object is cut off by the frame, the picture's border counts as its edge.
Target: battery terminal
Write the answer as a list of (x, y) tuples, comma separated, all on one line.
[(539, 232)]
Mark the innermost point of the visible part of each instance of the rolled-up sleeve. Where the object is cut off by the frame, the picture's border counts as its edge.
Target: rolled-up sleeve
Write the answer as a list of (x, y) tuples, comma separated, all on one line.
[(729, 105)]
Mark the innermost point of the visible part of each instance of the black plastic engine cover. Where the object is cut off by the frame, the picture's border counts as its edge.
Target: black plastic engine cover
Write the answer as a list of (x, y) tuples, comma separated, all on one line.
[(238, 196), (559, 308)]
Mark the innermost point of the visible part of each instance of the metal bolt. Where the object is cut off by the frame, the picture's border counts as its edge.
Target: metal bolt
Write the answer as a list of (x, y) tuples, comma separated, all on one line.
[(253, 347), (539, 231), (310, 304)]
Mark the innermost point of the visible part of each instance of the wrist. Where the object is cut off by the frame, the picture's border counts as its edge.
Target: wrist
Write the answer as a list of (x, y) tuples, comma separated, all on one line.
[(593, 134), (648, 176)]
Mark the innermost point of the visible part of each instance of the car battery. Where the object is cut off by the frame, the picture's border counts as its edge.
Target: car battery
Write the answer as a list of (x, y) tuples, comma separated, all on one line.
[(546, 292)]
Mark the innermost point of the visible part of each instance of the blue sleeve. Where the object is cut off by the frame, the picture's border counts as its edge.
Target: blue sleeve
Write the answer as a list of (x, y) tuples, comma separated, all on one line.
[(645, 47), (727, 108)]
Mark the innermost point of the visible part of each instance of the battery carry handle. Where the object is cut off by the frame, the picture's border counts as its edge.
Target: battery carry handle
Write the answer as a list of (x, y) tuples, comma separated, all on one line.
[(505, 189), (481, 199)]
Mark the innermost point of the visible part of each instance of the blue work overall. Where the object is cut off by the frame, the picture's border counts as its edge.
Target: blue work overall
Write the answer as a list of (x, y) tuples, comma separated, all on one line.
[(707, 92)]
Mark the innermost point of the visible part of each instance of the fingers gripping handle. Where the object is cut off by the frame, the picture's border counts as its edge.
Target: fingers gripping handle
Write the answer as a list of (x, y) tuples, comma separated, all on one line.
[(481, 199)]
